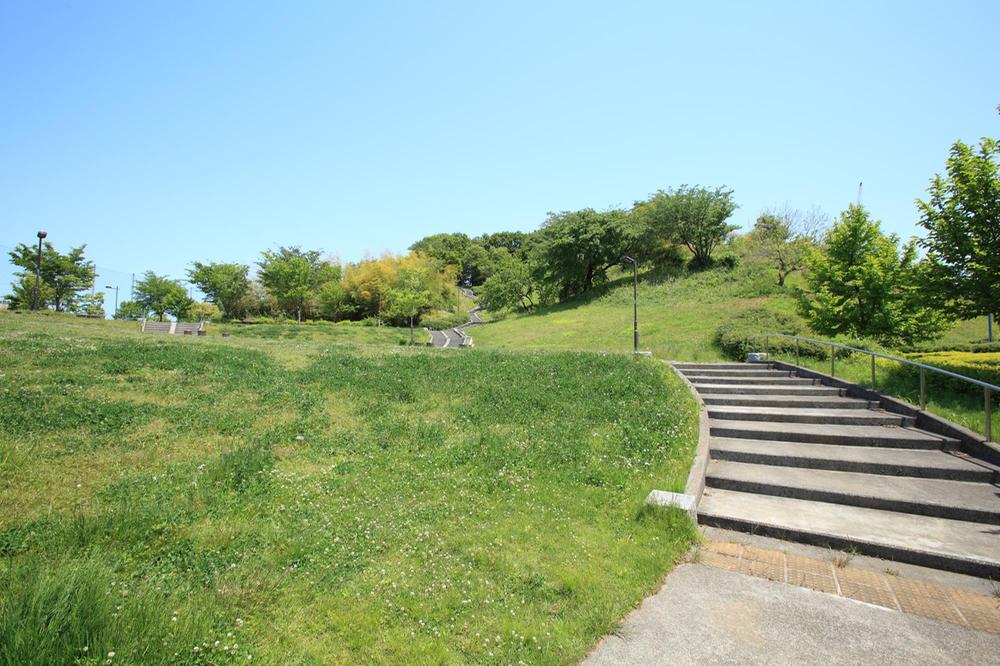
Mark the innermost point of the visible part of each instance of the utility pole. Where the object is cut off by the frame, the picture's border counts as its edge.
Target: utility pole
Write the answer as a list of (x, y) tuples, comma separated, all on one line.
[(859, 193), (38, 267), (989, 328)]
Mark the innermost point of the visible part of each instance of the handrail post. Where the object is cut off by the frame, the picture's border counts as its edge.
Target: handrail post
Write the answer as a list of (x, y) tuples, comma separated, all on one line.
[(989, 414), (923, 389), (873, 372), (797, 352), (767, 344), (833, 363)]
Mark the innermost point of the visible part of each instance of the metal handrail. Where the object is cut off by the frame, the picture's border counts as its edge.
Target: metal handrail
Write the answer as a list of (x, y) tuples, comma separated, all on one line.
[(986, 386)]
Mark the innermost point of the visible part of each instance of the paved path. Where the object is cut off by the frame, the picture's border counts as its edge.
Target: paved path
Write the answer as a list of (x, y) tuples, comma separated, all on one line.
[(456, 337), (705, 615), (446, 338)]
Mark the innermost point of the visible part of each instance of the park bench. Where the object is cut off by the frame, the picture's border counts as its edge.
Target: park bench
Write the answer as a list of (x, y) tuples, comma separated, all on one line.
[(173, 327)]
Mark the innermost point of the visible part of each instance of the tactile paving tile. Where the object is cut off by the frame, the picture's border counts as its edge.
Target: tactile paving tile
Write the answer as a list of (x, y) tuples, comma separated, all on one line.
[(719, 561), (968, 609), (920, 598), (763, 563), (723, 548), (814, 574), (980, 611), (867, 586)]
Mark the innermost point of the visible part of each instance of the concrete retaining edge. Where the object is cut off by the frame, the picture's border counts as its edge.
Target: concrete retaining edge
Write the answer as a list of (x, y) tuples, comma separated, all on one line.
[(695, 486)]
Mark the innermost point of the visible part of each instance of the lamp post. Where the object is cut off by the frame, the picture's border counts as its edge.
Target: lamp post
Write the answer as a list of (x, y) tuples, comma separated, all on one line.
[(635, 303), (38, 267), (108, 286)]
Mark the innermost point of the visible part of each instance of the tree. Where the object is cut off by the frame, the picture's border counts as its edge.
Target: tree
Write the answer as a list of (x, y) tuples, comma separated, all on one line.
[(409, 299), (511, 285), (962, 219), (862, 283), (293, 276), (131, 310), (468, 257), (691, 216), (22, 294), (65, 275), (781, 240), (575, 249), (204, 312), (161, 295), (89, 305), (225, 285)]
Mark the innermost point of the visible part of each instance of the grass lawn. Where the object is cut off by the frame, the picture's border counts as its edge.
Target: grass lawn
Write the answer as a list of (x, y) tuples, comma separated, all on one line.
[(677, 318), (300, 501)]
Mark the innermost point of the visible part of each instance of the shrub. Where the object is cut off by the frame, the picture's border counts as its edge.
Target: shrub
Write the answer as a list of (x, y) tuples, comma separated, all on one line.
[(733, 336)]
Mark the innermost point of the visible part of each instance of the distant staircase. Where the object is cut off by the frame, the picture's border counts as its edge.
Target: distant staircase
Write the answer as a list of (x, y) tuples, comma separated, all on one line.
[(797, 460)]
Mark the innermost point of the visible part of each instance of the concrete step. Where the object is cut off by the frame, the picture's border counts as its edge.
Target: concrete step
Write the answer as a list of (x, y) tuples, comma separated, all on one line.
[(809, 415), (720, 366), (750, 372), (792, 401), (783, 380), (953, 545), (955, 500), (847, 435), (707, 386), (869, 460)]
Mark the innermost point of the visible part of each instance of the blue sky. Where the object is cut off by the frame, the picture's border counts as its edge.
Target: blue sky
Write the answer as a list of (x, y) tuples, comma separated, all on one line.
[(161, 133)]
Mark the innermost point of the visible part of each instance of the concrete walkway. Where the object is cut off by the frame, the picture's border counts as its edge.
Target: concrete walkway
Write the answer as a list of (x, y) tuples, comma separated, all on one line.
[(705, 615)]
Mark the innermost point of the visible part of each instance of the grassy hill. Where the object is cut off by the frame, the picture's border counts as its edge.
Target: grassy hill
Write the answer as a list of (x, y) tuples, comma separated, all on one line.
[(679, 316), (324, 496)]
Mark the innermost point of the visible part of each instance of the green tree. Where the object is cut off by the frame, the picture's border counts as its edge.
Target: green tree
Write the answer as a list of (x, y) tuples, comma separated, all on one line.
[(862, 283), (962, 219), (691, 216), (131, 310), (161, 295), (89, 305), (65, 275), (22, 293), (574, 250), (781, 240), (293, 277), (469, 257), (410, 298), (510, 286), (225, 285)]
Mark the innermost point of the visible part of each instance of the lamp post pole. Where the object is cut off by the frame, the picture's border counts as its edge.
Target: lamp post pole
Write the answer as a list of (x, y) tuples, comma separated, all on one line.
[(115, 313), (635, 303), (38, 267)]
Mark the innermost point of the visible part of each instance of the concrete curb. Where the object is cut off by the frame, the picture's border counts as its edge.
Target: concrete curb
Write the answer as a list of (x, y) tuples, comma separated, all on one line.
[(969, 442), (695, 486)]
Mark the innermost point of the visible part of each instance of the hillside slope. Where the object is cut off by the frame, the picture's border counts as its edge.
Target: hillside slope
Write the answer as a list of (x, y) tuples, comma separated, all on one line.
[(316, 502), (677, 317)]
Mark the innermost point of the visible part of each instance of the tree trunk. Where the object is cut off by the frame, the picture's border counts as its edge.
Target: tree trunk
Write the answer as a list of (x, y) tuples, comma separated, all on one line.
[(411, 330)]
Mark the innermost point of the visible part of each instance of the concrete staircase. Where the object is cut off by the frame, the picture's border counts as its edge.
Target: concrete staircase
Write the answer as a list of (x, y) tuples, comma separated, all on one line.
[(793, 459)]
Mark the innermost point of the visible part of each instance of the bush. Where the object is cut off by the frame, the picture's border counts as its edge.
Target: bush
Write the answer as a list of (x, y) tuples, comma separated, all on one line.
[(733, 336)]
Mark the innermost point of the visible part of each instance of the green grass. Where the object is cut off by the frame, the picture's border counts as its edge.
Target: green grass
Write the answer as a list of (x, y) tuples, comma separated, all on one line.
[(677, 317), (199, 500)]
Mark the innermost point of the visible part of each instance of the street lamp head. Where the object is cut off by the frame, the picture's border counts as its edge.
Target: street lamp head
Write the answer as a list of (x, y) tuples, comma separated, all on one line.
[(108, 286), (42, 234)]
